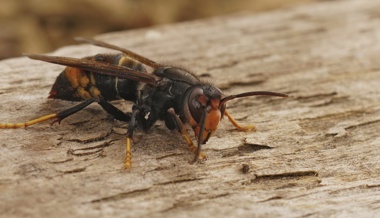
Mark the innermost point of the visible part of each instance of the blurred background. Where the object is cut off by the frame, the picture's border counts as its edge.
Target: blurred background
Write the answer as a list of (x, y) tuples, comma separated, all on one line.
[(39, 26)]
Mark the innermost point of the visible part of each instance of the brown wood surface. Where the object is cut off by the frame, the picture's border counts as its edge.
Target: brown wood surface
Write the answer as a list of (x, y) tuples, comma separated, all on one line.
[(315, 154)]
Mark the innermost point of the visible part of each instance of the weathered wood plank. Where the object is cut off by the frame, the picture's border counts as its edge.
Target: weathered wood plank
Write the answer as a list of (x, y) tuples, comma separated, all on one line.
[(315, 154)]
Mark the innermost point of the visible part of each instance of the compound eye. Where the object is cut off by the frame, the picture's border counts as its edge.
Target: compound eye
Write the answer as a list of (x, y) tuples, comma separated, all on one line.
[(195, 105)]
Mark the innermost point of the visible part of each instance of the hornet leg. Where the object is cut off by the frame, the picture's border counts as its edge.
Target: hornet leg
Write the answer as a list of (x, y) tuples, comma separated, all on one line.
[(241, 128), (58, 117), (131, 128), (182, 129)]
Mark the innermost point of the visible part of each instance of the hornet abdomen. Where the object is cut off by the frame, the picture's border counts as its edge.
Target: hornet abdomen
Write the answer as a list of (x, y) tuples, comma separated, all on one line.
[(75, 84)]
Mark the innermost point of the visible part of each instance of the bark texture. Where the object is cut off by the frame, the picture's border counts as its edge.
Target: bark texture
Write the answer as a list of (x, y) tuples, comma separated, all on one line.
[(315, 154)]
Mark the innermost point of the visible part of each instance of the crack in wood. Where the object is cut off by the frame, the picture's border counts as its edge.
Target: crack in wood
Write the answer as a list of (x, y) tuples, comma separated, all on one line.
[(75, 170), (362, 124), (328, 121), (346, 189), (169, 155), (372, 186), (248, 147), (288, 180), (176, 181), (121, 196), (61, 161), (97, 148), (223, 65), (241, 83), (321, 99), (94, 139), (75, 153), (286, 175), (187, 202), (326, 102), (336, 191), (316, 95), (243, 149), (246, 83), (277, 197)]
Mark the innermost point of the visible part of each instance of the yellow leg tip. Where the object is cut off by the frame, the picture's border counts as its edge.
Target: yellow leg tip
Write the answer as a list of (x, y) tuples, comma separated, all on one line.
[(202, 156), (247, 128), (237, 126), (127, 165), (128, 155), (26, 124)]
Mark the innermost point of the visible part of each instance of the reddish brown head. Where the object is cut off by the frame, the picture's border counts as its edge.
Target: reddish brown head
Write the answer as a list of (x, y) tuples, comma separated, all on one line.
[(202, 110), (204, 107)]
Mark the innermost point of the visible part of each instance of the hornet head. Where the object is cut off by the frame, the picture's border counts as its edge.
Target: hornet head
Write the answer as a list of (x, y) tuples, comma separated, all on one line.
[(204, 107)]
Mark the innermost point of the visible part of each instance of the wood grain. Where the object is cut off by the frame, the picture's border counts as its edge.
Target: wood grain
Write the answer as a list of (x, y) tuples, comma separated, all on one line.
[(315, 154)]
